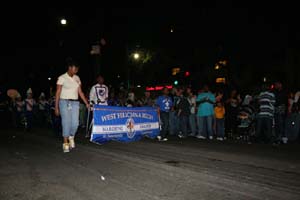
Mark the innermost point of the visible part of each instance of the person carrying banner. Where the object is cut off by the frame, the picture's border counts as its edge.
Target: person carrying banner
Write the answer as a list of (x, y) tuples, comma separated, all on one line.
[(98, 96), (165, 105), (67, 103), (99, 92)]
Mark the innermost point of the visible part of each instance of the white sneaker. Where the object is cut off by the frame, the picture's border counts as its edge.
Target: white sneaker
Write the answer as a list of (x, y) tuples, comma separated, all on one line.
[(201, 137), (220, 139), (71, 142), (284, 140), (66, 148), (211, 137), (159, 138), (165, 139)]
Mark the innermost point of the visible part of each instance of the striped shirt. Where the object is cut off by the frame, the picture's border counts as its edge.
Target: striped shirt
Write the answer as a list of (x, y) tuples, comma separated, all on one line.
[(266, 104)]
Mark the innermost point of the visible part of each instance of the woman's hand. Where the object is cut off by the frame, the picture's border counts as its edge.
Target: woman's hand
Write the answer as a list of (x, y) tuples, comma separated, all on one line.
[(88, 106), (57, 112)]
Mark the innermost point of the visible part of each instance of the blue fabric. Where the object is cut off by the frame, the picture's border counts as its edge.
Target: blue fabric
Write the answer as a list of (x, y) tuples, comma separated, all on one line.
[(164, 103), (206, 108), (174, 123), (69, 112), (124, 124), (220, 127), (205, 126), (193, 126)]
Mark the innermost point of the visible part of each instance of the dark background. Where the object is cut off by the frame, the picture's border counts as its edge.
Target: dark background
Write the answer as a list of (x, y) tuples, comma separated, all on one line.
[(258, 40)]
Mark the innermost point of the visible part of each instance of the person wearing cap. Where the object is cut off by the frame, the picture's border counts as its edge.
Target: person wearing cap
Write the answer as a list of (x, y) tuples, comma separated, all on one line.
[(29, 106), (67, 103)]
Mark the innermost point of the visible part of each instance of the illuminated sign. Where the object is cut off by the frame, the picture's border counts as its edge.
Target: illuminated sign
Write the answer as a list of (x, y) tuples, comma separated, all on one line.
[(221, 80), (175, 71), (158, 88)]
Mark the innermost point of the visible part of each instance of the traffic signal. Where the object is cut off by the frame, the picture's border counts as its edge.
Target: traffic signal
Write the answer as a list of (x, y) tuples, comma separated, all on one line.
[(176, 82), (187, 73)]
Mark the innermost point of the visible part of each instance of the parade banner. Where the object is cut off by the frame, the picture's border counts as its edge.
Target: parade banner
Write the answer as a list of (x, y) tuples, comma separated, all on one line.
[(124, 124)]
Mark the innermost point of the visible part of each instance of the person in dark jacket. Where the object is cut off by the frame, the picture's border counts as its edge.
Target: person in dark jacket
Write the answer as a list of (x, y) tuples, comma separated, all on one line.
[(183, 113)]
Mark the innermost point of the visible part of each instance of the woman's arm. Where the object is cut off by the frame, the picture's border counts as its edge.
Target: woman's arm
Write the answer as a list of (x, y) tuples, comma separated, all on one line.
[(57, 97)]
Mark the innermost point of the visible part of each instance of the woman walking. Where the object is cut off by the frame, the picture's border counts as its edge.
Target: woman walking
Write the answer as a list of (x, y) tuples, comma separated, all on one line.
[(67, 104)]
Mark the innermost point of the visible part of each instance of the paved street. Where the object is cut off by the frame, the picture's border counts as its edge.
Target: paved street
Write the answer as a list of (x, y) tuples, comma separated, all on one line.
[(33, 167)]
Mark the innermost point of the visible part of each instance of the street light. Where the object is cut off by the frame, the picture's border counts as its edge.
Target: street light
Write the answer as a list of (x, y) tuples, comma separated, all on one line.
[(49, 79), (136, 56), (63, 22)]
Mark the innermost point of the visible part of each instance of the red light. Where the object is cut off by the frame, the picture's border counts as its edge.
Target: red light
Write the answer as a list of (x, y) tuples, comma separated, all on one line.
[(159, 87), (150, 88), (187, 73)]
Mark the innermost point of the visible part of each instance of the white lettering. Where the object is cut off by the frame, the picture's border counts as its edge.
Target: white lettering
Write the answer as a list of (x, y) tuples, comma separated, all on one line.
[(144, 126), (126, 115), (112, 129), (108, 117)]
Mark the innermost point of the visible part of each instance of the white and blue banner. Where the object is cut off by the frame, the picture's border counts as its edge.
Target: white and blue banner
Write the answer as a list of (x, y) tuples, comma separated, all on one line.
[(124, 124)]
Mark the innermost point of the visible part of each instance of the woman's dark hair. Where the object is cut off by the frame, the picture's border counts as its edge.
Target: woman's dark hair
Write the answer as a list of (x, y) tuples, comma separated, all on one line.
[(70, 62)]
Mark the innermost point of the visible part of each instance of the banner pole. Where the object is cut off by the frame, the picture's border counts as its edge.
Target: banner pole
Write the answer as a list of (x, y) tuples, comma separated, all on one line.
[(87, 124)]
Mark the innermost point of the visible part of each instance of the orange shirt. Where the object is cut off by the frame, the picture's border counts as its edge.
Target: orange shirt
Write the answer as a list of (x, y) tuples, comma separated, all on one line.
[(220, 112)]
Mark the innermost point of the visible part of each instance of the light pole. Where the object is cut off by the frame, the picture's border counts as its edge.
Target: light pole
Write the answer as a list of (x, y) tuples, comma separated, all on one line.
[(63, 23), (136, 56)]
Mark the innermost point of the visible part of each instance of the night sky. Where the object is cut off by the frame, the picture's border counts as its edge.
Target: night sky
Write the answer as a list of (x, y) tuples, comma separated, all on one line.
[(257, 39)]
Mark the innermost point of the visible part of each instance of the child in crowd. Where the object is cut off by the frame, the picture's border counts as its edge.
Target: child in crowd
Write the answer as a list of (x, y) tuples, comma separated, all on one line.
[(220, 119)]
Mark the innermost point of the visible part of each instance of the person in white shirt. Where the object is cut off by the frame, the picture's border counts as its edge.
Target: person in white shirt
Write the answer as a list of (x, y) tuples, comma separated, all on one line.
[(30, 103), (42, 111), (192, 116), (67, 104), (99, 92)]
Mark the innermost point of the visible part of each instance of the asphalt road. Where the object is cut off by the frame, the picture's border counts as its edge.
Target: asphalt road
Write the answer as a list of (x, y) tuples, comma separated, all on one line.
[(33, 167)]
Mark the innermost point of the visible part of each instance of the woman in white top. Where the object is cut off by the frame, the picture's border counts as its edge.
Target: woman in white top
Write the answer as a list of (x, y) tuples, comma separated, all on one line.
[(67, 104)]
